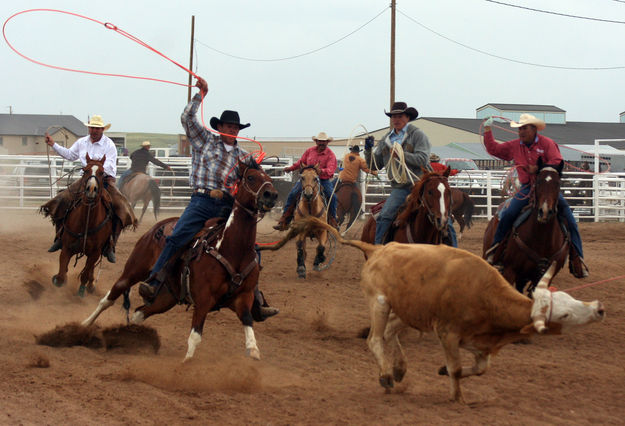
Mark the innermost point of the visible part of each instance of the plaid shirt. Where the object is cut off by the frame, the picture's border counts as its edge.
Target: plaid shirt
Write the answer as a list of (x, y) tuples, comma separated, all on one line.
[(212, 166)]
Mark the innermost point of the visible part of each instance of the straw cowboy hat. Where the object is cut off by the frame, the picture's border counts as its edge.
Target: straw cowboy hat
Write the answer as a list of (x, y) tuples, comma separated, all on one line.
[(228, 117), (145, 143), (529, 119), (96, 121), (322, 136), (402, 108), (434, 158)]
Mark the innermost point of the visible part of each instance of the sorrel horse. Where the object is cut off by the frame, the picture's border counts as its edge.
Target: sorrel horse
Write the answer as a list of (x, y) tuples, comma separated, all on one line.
[(349, 201), (424, 216), (539, 240), (219, 270), (141, 187), (462, 207), (87, 227), (310, 204)]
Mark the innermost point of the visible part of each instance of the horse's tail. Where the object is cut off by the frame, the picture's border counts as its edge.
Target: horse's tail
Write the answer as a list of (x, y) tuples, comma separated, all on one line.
[(468, 211), (156, 196), (309, 224), (126, 304)]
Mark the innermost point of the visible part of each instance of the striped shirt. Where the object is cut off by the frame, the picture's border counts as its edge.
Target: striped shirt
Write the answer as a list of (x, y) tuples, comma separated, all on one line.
[(212, 166)]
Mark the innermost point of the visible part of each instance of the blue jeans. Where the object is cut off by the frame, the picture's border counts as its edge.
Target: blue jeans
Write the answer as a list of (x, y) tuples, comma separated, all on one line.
[(327, 186), (520, 200), (200, 209), (389, 211), (122, 178)]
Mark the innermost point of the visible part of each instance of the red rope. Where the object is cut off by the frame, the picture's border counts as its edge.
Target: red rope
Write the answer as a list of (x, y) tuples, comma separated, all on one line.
[(131, 37), (594, 284)]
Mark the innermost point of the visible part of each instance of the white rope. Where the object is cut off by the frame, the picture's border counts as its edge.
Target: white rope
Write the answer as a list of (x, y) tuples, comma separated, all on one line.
[(398, 167)]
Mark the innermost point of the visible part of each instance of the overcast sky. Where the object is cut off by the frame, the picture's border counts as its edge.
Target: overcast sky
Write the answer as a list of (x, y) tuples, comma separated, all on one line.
[(334, 89)]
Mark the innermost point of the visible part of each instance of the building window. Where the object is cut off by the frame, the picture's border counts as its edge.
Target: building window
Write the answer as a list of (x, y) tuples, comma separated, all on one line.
[(24, 141)]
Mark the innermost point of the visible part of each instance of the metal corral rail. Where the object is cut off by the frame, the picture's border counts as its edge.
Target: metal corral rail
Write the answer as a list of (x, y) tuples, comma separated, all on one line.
[(25, 180), (25, 184)]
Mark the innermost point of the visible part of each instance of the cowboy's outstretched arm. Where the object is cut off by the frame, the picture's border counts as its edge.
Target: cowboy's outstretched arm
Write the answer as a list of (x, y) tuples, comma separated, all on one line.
[(194, 130)]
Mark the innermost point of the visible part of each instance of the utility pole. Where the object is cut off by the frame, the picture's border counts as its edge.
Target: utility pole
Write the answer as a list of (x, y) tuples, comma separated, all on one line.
[(10, 107), (392, 53), (191, 57)]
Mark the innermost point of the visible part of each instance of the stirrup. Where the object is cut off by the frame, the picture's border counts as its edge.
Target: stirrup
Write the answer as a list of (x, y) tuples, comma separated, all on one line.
[(57, 245), (490, 253)]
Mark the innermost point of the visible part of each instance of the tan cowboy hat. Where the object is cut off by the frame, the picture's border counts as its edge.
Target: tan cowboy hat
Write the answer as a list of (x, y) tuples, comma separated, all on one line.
[(322, 136), (145, 143), (529, 119), (96, 121), (434, 158)]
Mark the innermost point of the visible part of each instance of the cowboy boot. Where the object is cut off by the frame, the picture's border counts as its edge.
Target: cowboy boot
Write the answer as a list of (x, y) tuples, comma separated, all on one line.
[(58, 243), (285, 220), (332, 222), (110, 249), (260, 308), (577, 267)]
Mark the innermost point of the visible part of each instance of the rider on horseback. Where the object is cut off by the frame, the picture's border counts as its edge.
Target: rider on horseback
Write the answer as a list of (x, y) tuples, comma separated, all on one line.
[(415, 147), (318, 154), (140, 159), (353, 163), (213, 175), (96, 145), (525, 153)]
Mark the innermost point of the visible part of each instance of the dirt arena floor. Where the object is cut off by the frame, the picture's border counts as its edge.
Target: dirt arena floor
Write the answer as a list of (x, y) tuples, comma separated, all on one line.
[(314, 367)]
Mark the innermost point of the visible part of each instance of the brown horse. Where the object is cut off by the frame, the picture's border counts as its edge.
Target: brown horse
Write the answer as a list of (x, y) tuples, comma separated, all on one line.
[(424, 216), (532, 246), (219, 270), (141, 187), (462, 207), (349, 202), (310, 204), (87, 226)]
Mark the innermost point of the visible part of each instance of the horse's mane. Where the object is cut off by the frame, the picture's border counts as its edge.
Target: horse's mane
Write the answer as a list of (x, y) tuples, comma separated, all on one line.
[(413, 200)]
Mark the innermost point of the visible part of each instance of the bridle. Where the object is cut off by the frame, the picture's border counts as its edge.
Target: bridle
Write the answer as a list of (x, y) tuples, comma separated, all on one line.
[(255, 194), (316, 188), (422, 202)]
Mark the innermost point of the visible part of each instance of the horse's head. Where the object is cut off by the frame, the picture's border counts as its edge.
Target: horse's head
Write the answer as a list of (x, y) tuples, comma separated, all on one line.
[(256, 190), (547, 190), (93, 177), (433, 194), (309, 176)]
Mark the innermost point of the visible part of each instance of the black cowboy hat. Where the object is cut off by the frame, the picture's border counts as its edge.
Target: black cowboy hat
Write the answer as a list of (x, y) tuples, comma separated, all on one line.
[(229, 117), (354, 148), (402, 108)]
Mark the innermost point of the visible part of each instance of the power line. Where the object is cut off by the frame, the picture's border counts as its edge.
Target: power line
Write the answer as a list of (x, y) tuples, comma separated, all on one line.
[(298, 55), (504, 58), (557, 13)]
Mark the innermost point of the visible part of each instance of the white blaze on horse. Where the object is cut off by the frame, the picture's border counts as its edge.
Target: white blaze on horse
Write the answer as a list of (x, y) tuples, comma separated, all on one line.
[(461, 298)]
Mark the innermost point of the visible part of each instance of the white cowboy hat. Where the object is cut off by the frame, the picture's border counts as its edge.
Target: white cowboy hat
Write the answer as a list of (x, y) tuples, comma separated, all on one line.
[(322, 136), (145, 143), (96, 121), (529, 119)]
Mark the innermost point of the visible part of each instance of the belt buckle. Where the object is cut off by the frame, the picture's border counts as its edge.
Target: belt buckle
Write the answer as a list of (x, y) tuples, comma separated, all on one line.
[(201, 191)]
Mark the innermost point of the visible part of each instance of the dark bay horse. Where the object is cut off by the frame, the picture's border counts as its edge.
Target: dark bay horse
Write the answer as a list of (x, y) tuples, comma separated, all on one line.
[(219, 270), (141, 187), (87, 226), (533, 245), (462, 207), (311, 204), (424, 216), (349, 201)]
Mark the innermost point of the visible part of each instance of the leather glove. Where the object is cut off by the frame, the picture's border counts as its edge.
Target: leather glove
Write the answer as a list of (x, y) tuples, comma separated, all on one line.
[(489, 122), (369, 142)]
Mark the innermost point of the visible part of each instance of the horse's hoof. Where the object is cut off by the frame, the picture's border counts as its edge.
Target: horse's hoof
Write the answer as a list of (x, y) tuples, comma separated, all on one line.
[(399, 373), (443, 371), (301, 272), (90, 289), (56, 282), (316, 268), (81, 291), (253, 353), (302, 276), (386, 381)]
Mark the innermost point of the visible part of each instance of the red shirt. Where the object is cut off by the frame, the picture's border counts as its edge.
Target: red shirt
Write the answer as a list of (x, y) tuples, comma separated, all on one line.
[(326, 160), (517, 151), (438, 167)]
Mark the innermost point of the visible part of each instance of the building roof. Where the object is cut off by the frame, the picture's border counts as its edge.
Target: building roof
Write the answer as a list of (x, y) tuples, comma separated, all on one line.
[(571, 133), (524, 107), (38, 124)]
